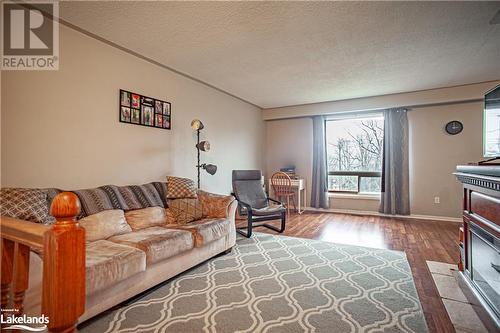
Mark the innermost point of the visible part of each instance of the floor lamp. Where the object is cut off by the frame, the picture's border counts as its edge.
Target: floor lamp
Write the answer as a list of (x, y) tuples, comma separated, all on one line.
[(211, 169)]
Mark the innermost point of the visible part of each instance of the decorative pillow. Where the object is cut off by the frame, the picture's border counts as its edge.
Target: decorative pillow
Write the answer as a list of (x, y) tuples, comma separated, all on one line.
[(161, 188), (25, 204), (185, 210), (95, 200), (142, 196), (146, 217), (170, 216), (105, 224), (108, 197), (215, 205), (180, 188), (51, 194)]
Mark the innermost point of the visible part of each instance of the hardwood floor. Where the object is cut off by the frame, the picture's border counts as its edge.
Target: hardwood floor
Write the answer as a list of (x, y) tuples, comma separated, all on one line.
[(421, 240)]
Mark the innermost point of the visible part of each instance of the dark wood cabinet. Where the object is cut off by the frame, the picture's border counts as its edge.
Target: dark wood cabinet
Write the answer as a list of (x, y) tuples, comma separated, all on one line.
[(480, 248)]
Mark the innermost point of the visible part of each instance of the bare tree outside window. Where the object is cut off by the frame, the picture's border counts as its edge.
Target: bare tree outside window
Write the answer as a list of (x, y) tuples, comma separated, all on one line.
[(354, 154)]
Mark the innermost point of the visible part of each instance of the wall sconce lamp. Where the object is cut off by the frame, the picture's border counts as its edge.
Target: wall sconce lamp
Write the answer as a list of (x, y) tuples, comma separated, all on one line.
[(211, 169)]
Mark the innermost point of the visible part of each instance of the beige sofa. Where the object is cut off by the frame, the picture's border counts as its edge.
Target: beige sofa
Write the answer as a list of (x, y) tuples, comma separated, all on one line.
[(122, 266)]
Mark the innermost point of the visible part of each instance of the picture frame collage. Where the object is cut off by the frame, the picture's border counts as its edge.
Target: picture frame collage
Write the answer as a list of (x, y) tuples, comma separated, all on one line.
[(142, 110)]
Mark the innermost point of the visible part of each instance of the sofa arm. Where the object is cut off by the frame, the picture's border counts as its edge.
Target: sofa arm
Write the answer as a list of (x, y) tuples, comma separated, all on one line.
[(232, 211), (215, 205)]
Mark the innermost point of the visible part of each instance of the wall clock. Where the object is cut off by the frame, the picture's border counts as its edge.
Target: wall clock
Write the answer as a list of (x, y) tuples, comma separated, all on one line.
[(454, 127)]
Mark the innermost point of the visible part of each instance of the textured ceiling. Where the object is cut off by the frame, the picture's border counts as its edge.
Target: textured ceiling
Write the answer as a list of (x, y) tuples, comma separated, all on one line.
[(285, 53)]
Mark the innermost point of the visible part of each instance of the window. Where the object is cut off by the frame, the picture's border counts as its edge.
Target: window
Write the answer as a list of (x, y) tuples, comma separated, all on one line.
[(354, 153)]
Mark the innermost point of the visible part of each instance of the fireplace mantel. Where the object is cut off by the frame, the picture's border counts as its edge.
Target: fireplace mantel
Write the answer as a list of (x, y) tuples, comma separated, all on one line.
[(480, 253)]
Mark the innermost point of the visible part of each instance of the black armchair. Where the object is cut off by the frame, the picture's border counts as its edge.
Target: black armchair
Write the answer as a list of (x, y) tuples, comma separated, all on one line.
[(252, 199)]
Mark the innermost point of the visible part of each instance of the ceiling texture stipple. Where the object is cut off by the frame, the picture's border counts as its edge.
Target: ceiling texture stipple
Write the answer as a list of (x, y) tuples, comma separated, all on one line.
[(287, 53)]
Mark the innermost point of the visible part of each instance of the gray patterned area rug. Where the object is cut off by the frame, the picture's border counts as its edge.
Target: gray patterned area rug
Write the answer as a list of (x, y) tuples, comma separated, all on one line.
[(279, 284)]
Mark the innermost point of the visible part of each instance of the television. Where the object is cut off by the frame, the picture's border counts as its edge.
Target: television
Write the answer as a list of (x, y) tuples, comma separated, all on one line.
[(491, 123)]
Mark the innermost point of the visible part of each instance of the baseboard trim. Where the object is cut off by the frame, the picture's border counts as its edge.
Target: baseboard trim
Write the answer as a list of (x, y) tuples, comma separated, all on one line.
[(371, 213)]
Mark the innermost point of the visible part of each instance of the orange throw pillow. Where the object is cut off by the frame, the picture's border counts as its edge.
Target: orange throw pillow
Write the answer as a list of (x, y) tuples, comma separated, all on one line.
[(215, 205), (184, 211)]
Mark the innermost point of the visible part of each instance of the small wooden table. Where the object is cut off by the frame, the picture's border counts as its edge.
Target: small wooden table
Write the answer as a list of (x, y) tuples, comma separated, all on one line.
[(299, 185)]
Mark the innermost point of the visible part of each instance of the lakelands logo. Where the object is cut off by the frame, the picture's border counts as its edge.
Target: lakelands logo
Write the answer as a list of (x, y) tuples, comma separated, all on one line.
[(30, 35), (24, 322)]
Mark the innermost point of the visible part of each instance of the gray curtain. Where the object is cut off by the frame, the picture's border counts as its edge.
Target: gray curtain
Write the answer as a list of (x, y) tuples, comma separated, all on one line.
[(395, 196), (319, 189)]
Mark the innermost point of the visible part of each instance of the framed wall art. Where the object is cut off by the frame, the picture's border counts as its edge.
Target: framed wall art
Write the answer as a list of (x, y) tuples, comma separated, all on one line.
[(146, 111)]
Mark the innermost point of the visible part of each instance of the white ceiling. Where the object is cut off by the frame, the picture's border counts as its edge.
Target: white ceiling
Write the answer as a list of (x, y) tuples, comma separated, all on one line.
[(285, 53)]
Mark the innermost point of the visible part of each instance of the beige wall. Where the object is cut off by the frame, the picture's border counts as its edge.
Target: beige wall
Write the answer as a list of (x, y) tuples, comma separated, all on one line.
[(60, 128), (433, 155), (289, 143)]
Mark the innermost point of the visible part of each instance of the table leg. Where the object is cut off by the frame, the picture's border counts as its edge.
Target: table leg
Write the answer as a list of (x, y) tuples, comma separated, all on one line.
[(300, 211)]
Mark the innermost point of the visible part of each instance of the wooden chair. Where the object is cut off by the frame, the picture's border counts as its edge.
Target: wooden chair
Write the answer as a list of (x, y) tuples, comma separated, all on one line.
[(282, 189)]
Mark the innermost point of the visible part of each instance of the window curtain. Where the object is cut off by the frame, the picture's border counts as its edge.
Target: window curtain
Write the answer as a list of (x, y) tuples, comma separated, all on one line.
[(319, 189), (395, 196)]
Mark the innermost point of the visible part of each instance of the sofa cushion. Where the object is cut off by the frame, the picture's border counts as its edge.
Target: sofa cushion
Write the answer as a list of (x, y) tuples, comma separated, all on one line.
[(206, 230), (161, 188), (185, 210), (25, 204), (269, 210), (180, 188), (215, 205), (142, 196), (108, 263), (159, 243), (95, 200), (107, 197), (146, 217), (104, 225)]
